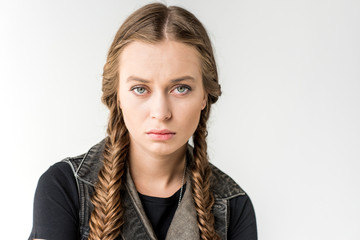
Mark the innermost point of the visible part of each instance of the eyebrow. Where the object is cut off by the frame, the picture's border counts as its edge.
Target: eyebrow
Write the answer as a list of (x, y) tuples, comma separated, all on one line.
[(180, 79)]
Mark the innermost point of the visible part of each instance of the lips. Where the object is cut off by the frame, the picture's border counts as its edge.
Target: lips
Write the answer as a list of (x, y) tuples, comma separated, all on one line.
[(162, 131), (160, 134)]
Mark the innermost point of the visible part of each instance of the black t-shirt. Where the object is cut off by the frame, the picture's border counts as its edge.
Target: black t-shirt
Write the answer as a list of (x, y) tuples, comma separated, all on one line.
[(56, 208), (160, 211)]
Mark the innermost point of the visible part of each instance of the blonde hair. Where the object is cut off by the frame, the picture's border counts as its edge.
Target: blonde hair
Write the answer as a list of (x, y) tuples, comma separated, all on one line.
[(152, 23)]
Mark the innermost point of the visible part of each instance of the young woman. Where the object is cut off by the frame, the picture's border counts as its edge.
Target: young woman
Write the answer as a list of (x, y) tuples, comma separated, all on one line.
[(144, 180)]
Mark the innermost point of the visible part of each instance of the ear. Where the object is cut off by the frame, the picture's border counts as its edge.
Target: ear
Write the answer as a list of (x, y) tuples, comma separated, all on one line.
[(204, 101)]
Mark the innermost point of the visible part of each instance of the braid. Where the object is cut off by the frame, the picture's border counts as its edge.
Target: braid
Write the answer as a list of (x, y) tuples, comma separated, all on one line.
[(107, 216), (201, 173)]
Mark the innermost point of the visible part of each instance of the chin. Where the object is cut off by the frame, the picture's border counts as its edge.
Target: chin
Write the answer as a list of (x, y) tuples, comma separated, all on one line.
[(164, 148)]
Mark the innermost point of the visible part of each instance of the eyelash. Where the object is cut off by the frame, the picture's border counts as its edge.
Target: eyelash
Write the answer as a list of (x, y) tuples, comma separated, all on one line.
[(133, 89)]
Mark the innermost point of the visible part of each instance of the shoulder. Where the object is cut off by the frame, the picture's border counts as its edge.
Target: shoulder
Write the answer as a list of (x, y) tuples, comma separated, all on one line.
[(59, 171), (223, 186), (56, 204), (56, 184), (242, 222), (87, 166)]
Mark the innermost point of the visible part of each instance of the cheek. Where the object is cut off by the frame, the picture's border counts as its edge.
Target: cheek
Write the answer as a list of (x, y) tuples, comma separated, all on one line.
[(129, 118), (133, 116), (189, 115), (134, 121)]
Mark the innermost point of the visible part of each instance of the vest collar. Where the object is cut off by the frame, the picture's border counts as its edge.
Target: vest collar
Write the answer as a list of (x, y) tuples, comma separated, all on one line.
[(222, 185), (184, 223)]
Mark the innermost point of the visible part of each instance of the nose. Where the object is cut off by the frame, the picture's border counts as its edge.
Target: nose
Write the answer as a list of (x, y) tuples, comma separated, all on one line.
[(160, 108)]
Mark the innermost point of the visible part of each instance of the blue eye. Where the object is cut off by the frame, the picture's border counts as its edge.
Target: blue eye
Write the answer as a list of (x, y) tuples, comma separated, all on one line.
[(182, 89), (139, 90)]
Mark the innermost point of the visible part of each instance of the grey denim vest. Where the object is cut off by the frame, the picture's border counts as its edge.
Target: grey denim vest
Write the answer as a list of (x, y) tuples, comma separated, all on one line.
[(137, 226)]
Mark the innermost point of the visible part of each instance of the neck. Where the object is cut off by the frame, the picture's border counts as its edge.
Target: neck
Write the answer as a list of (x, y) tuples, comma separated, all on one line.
[(157, 175)]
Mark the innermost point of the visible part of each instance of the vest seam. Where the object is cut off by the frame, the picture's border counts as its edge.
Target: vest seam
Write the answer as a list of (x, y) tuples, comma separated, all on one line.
[(67, 160), (82, 162), (232, 196), (81, 220), (85, 181), (225, 213), (227, 218)]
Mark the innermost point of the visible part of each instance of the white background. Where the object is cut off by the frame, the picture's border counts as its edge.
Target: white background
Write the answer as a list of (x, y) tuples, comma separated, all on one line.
[(287, 127)]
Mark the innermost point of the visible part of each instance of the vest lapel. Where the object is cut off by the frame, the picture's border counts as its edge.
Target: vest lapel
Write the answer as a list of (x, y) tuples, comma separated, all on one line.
[(184, 224), (137, 225)]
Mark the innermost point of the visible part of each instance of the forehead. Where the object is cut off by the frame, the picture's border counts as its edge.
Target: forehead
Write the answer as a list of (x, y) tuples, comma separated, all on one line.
[(167, 59)]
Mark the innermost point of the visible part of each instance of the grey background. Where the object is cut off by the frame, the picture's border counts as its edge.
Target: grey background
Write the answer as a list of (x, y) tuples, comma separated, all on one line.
[(286, 128)]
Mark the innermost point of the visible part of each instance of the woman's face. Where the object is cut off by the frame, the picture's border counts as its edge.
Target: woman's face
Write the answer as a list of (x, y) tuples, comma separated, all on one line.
[(161, 95)]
